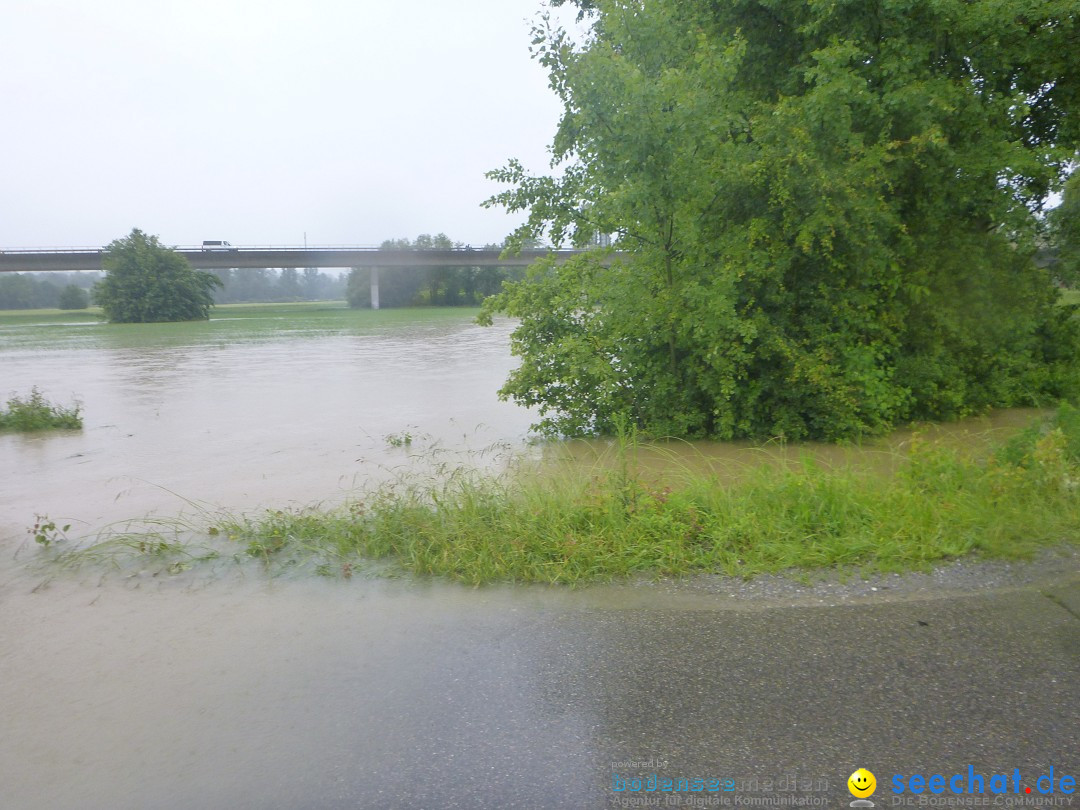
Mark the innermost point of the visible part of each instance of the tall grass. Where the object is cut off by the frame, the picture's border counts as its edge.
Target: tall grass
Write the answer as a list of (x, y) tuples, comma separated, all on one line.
[(612, 522), (37, 413)]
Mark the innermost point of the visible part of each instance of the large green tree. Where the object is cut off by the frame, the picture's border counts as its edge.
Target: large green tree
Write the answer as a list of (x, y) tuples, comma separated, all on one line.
[(147, 282), (827, 210)]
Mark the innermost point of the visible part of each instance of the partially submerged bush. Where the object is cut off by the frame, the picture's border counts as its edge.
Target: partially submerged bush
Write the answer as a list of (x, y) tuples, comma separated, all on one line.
[(1020, 449), (37, 413)]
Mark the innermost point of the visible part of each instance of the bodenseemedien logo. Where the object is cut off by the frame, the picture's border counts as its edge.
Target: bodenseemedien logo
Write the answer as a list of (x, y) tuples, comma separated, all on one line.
[(862, 785)]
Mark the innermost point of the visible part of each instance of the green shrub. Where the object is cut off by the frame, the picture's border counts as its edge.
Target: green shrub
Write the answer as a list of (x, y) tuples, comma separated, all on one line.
[(37, 413), (72, 297), (1020, 449)]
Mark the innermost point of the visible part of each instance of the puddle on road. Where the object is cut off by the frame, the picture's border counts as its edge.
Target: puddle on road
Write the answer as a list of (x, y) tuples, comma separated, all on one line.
[(251, 693), (248, 693)]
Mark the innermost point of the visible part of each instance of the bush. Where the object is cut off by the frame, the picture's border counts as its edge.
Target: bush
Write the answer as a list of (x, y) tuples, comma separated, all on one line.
[(37, 413), (72, 297)]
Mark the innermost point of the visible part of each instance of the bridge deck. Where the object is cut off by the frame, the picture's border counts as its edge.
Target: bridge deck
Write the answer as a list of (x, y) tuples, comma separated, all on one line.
[(22, 261)]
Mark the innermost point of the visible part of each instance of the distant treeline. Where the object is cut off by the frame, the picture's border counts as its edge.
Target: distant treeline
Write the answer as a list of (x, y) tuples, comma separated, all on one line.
[(265, 285), (46, 290), (428, 286), (72, 290)]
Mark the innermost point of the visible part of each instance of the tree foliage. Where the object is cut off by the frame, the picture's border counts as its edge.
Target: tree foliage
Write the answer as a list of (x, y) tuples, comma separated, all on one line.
[(1065, 229), (264, 284), (146, 282), (40, 290), (828, 214), (25, 291), (72, 297), (426, 286)]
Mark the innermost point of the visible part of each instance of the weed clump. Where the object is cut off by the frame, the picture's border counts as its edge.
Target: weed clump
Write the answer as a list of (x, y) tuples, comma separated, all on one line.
[(1020, 449), (37, 413)]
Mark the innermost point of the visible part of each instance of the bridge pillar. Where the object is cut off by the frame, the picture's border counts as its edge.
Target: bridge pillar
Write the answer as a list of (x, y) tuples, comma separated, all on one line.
[(374, 287)]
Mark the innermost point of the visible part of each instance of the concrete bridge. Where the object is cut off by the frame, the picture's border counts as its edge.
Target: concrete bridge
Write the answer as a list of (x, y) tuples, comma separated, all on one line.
[(34, 260), (25, 260)]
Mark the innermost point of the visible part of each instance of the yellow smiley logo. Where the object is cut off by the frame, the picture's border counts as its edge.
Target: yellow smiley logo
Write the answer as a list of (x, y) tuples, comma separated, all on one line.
[(861, 783)]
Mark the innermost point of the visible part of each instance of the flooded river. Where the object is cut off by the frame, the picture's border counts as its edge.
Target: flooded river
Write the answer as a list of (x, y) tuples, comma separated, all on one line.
[(279, 408), (245, 692)]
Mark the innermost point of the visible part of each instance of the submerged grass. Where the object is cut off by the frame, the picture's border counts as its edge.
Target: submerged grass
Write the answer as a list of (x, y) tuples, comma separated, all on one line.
[(150, 546), (617, 519), (611, 523)]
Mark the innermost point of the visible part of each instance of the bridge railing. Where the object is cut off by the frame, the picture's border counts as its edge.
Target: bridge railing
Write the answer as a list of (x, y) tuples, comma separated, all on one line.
[(87, 249)]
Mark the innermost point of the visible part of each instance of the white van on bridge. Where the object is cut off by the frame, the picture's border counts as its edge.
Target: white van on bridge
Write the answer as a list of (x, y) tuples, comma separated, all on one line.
[(217, 244)]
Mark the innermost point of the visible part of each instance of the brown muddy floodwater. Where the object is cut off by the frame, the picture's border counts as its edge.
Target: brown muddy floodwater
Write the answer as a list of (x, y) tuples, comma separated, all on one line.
[(241, 692), (273, 409)]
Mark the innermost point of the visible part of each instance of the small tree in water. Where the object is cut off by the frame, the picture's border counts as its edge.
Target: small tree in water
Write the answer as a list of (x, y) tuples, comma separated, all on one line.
[(147, 283)]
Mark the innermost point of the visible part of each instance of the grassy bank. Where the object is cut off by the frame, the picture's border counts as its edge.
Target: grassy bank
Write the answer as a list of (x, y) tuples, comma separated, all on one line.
[(581, 527), (18, 317)]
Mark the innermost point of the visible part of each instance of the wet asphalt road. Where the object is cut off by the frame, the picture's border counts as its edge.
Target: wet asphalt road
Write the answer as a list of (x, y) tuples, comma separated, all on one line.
[(389, 697)]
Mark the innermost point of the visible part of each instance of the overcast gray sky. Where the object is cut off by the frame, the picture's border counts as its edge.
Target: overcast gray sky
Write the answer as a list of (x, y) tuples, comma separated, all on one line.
[(256, 121)]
